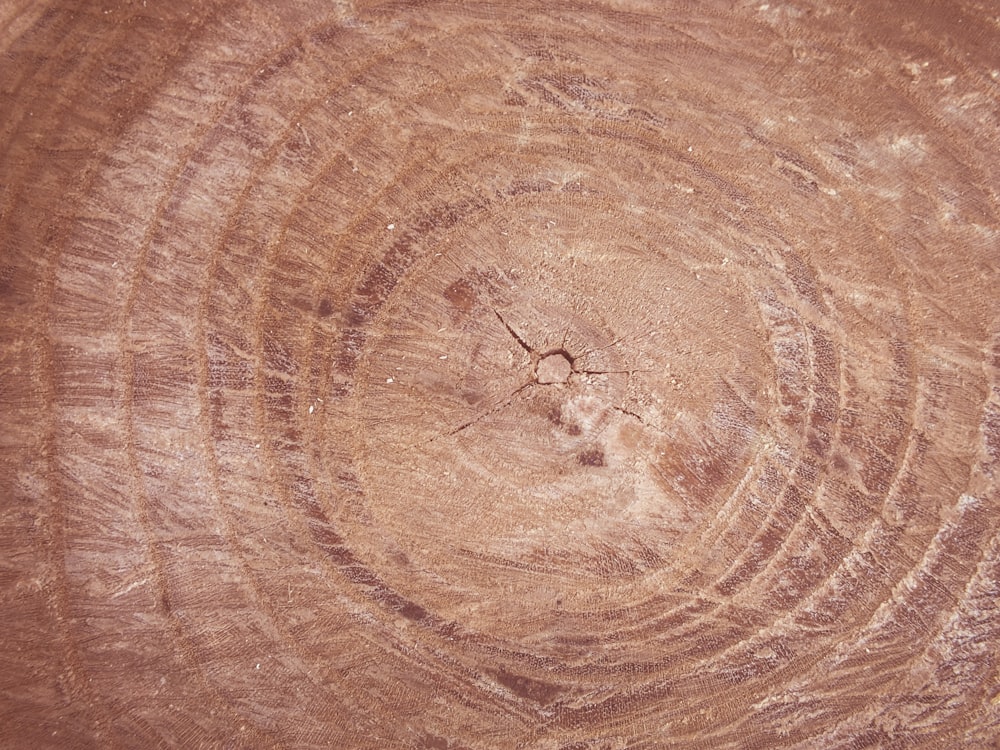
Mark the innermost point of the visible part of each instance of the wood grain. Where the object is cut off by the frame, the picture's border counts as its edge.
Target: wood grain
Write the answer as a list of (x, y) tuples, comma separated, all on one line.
[(612, 374)]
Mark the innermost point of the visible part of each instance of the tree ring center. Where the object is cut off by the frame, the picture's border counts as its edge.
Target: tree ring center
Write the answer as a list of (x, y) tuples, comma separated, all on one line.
[(554, 368)]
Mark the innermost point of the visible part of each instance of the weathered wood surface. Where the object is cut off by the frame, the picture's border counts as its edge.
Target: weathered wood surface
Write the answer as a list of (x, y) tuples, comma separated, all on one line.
[(540, 374)]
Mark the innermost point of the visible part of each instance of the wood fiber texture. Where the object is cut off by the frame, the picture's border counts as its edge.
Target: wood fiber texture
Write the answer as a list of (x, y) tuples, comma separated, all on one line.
[(563, 374)]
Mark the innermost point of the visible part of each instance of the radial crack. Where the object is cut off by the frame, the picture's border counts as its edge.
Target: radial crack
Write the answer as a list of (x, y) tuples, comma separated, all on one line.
[(640, 419), (480, 417), (610, 372), (524, 344)]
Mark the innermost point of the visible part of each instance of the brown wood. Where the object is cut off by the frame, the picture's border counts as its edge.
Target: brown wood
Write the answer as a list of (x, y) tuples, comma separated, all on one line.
[(482, 375)]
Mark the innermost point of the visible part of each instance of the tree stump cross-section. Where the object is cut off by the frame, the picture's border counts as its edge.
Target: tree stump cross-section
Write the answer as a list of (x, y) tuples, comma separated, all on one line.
[(569, 374)]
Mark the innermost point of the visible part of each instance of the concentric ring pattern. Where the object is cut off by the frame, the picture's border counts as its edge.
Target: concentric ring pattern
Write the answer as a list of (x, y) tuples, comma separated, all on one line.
[(476, 375)]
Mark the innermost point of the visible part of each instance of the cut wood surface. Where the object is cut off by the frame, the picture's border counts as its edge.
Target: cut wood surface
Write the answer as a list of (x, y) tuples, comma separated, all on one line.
[(563, 374)]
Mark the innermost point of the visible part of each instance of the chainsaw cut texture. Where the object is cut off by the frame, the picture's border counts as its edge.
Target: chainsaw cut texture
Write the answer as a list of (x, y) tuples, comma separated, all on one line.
[(575, 374)]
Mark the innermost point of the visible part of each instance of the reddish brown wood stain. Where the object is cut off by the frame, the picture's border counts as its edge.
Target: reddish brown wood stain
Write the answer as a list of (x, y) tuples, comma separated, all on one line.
[(607, 374)]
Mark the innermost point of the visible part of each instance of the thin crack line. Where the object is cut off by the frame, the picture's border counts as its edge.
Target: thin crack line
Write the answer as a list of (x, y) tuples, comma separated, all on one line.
[(522, 342), (475, 420), (610, 372), (640, 420), (621, 340)]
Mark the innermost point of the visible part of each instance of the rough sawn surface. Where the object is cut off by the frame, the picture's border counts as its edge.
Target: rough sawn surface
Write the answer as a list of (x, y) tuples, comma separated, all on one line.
[(612, 374)]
